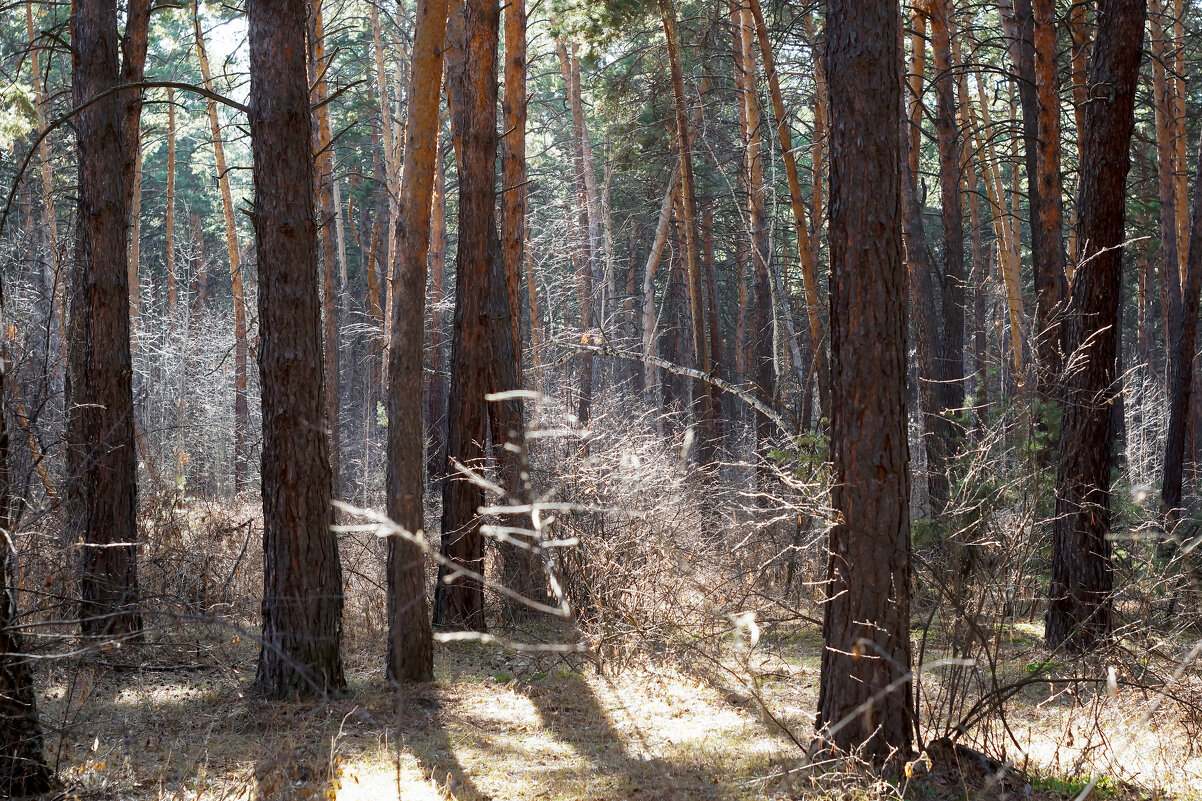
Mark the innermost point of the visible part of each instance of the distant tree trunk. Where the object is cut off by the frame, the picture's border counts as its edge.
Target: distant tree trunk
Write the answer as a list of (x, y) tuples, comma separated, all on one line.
[(473, 78), (23, 770), (1182, 369), (101, 458), (937, 437), (806, 250), (588, 226), (866, 626), (1051, 286), (1166, 135), (134, 257), (1009, 247), (1079, 603), (650, 337), (241, 344), (169, 221), (761, 239), (302, 577), (951, 204), (52, 277), (707, 435), (326, 186), (436, 407), (392, 176)]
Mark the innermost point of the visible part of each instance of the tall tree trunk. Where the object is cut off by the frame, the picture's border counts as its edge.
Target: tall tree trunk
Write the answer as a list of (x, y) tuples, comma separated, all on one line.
[(101, 458), (707, 438), (521, 567), (233, 250), (1079, 606), (473, 80), (326, 187), (410, 649), (302, 577), (23, 770), (866, 625), (1047, 213)]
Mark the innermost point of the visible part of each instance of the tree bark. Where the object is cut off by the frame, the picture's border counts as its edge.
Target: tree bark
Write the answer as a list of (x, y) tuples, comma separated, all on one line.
[(302, 577), (1079, 606), (866, 625), (521, 568), (410, 643), (101, 457), (473, 83)]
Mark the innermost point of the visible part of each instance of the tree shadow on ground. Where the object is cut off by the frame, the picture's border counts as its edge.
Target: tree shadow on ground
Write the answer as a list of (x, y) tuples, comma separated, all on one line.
[(569, 708), (427, 737)]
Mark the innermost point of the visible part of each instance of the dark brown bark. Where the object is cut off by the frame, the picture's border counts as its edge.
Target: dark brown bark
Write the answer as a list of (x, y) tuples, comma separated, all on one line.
[(302, 577), (1082, 577), (101, 458), (23, 770), (866, 624), (410, 642), (521, 568), (472, 82)]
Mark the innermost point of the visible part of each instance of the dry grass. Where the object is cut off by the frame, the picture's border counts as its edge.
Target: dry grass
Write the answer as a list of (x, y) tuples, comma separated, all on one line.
[(501, 726)]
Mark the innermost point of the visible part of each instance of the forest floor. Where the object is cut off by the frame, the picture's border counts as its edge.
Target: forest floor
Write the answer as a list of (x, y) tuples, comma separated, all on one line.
[(496, 725)]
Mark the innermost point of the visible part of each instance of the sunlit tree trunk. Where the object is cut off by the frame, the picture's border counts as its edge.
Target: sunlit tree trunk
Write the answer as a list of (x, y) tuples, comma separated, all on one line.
[(1079, 602), (302, 577), (472, 81), (410, 648), (866, 626)]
